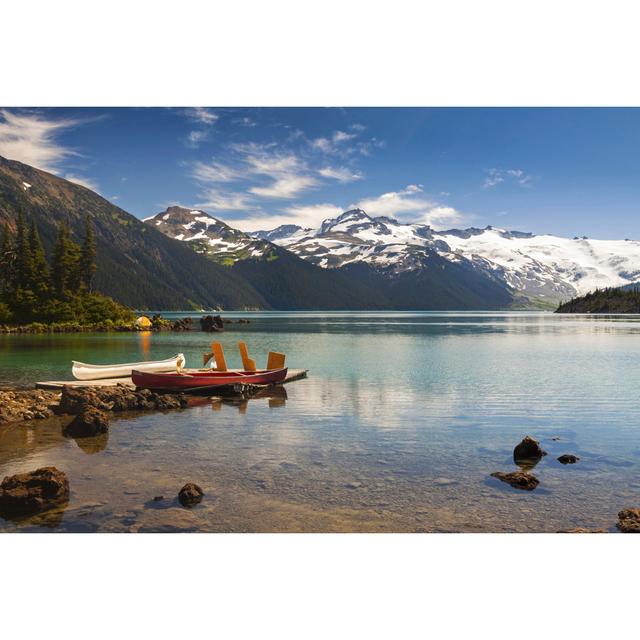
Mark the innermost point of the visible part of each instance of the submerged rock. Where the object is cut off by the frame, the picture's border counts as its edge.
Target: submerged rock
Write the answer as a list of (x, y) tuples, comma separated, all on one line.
[(518, 479), (32, 492), (528, 449), (582, 530), (629, 521), (190, 494), (93, 445), (91, 422), (568, 458), (31, 404)]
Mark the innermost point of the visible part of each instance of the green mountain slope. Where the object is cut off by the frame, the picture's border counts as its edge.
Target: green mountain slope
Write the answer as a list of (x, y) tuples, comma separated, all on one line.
[(137, 265), (283, 279), (437, 285)]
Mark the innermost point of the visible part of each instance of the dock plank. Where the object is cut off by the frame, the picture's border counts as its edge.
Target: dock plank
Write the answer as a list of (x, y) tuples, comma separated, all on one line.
[(56, 385)]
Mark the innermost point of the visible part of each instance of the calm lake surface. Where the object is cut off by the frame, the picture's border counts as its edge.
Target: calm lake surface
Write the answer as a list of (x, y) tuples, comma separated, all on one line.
[(397, 428)]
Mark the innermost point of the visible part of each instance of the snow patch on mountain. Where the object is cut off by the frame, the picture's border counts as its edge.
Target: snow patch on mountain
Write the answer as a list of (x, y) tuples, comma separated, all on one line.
[(209, 235), (540, 267)]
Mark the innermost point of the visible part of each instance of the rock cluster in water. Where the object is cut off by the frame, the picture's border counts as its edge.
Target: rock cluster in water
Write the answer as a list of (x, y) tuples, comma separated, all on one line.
[(118, 398), (211, 323), (190, 495), (20, 405), (182, 324), (629, 521), (26, 405), (28, 493)]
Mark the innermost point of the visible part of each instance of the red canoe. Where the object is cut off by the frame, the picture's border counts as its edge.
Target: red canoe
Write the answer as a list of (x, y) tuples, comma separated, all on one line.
[(200, 379)]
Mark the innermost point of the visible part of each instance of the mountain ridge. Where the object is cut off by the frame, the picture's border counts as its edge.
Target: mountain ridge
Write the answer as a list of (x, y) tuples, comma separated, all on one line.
[(289, 281), (541, 268)]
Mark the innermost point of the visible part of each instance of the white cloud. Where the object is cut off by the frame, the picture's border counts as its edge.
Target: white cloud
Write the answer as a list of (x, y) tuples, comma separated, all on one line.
[(290, 176), (215, 172), (196, 137), (288, 186), (273, 165), (222, 201), (365, 147), (408, 205), (246, 122), (341, 174), (496, 176), (440, 217), (82, 181), (333, 143), (203, 115), (279, 171), (396, 202), (307, 216), (32, 138)]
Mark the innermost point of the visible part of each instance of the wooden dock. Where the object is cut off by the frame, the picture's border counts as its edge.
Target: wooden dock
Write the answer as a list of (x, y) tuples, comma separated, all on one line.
[(56, 385)]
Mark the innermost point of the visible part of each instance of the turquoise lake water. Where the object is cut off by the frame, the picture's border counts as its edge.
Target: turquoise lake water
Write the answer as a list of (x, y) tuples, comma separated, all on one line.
[(397, 428)]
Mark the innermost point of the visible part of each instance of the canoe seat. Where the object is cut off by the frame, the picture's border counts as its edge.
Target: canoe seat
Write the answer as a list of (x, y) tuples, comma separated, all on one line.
[(218, 354), (247, 363), (219, 363), (275, 360)]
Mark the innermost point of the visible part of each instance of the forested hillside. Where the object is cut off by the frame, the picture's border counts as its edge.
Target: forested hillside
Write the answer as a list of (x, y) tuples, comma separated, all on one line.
[(611, 300)]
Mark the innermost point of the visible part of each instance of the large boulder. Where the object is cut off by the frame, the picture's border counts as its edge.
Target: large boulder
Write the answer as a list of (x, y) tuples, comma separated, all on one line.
[(629, 521), (528, 450), (211, 323), (518, 479), (191, 494), (32, 492), (91, 422)]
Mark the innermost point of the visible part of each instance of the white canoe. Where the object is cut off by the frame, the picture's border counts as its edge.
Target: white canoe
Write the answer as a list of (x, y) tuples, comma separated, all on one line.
[(82, 371)]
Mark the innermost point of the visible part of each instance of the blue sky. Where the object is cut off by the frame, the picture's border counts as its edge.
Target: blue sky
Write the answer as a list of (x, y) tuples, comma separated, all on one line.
[(573, 171)]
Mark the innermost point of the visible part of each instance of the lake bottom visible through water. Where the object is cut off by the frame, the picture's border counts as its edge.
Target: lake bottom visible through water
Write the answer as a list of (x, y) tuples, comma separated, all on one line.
[(397, 428)]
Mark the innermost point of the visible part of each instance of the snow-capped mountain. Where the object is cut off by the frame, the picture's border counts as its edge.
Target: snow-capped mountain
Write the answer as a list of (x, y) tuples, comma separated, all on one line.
[(531, 269), (208, 234), (542, 268)]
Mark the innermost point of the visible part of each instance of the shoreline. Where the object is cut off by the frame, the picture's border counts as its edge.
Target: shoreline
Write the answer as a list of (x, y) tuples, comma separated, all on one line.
[(208, 324), (23, 405)]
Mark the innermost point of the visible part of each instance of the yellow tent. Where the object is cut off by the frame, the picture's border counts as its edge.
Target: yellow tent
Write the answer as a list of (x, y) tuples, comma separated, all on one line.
[(143, 323)]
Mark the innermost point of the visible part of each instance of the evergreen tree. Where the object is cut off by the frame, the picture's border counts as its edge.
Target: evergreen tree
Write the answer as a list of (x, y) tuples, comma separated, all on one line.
[(88, 256), (40, 277), (64, 265), (7, 256), (24, 259)]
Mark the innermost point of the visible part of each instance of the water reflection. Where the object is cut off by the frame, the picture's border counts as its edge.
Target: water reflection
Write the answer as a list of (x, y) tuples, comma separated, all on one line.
[(93, 445), (397, 428)]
